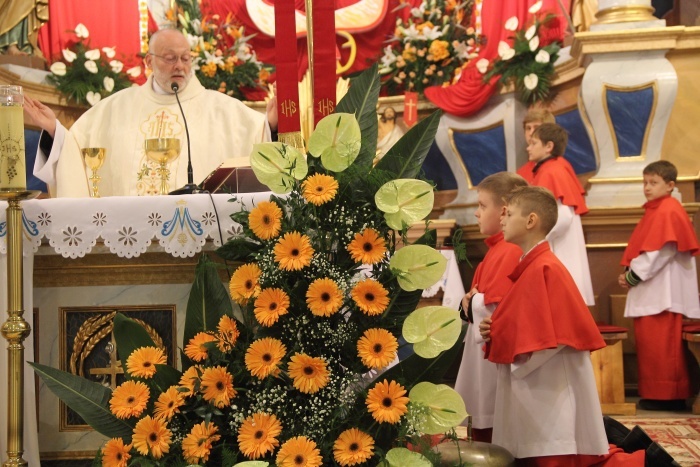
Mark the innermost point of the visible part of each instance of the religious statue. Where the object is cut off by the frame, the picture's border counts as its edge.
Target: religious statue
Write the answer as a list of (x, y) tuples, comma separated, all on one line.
[(19, 23), (389, 132)]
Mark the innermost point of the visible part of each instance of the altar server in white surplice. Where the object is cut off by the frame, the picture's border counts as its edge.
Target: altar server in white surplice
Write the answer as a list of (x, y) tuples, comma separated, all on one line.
[(220, 127)]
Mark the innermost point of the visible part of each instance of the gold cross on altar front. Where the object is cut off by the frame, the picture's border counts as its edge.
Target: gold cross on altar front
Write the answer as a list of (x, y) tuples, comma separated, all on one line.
[(114, 368)]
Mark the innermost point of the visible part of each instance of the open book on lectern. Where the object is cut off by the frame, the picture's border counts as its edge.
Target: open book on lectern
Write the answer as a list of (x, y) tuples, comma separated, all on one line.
[(234, 175)]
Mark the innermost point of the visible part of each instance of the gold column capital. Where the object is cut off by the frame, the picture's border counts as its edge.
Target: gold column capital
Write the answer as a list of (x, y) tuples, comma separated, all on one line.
[(625, 14)]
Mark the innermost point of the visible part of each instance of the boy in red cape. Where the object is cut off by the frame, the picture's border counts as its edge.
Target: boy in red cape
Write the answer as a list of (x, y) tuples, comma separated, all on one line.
[(476, 379), (533, 119), (550, 170), (661, 276)]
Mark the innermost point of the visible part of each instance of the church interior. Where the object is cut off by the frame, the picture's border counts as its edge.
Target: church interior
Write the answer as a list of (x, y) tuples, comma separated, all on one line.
[(620, 76)]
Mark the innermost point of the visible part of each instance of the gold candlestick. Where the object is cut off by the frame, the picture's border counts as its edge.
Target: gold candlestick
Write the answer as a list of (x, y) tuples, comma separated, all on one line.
[(15, 329), (163, 151), (12, 172), (94, 158)]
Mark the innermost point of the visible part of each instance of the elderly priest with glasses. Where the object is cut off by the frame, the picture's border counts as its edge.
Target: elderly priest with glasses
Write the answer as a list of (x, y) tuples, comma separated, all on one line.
[(220, 126)]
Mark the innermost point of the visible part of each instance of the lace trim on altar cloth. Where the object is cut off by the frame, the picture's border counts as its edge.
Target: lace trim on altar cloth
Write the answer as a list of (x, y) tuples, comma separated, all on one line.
[(128, 225), (450, 283)]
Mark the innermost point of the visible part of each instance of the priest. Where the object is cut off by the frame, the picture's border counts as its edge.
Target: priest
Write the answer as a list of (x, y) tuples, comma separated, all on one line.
[(220, 127)]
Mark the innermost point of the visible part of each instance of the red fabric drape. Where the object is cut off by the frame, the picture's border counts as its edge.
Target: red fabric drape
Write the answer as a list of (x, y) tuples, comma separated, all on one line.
[(470, 93)]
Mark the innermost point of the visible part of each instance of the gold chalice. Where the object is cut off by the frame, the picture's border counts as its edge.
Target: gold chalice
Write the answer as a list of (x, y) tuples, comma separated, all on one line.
[(163, 151), (94, 158)]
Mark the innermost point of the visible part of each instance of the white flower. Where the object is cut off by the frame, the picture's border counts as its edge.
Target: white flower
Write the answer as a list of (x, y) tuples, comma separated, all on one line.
[(388, 58), (411, 34), (243, 53), (116, 66), (432, 33), (534, 43), (542, 56), (109, 51), (505, 51), (530, 33), (69, 55), (512, 23), (91, 66), (93, 97), (419, 11), (531, 81), (535, 8), (211, 58), (58, 68), (193, 40), (482, 65), (92, 54), (461, 49), (81, 31), (108, 83), (134, 71)]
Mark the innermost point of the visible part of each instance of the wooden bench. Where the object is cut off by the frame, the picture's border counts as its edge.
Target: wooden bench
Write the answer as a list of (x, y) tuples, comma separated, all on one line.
[(609, 372), (691, 334)]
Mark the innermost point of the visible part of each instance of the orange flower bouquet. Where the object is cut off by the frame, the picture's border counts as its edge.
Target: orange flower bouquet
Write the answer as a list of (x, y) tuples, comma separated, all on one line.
[(299, 367)]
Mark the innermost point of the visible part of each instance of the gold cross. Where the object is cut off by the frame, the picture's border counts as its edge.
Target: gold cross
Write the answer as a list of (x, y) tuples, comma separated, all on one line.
[(114, 368)]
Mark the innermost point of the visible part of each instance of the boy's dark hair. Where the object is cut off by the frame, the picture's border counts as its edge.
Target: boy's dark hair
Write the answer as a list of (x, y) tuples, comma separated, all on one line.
[(538, 115), (536, 199), (501, 184), (663, 169), (551, 132)]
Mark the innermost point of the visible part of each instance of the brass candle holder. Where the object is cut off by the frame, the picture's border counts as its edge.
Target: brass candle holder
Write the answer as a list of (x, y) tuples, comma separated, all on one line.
[(94, 158), (163, 151), (16, 329)]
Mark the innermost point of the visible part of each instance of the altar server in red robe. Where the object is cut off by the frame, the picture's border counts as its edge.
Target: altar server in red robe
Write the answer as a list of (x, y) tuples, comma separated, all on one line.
[(533, 119), (661, 276), (550, 170), (476, 379)]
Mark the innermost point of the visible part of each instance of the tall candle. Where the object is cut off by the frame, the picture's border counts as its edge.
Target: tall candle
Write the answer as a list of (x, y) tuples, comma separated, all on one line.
[(12, 167)]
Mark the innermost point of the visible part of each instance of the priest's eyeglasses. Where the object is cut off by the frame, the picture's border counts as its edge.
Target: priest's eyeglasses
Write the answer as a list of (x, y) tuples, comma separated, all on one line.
[(172, 59)]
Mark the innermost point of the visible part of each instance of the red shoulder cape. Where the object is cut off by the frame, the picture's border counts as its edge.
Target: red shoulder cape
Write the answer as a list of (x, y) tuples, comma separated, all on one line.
[(664, 221), (525, 171), (543, 310), (491, 276), (557, 175)]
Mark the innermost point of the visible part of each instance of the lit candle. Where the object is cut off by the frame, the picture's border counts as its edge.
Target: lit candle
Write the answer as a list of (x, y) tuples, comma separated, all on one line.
[(12, 167)]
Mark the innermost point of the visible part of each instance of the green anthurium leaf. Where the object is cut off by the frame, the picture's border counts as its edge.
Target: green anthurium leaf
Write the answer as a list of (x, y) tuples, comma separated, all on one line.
[(278, 165), (165, 377), (238, 249), (252, 464), (336, 140), (129, 336), (208, 302), (404, 201), (405, 158), (88, 398), (446, 406), (417, 266), (432, 330), (361, 100), (402, 457)]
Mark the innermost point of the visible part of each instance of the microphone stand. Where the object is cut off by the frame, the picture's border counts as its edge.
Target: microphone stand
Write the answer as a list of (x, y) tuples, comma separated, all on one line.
[(190, 188)]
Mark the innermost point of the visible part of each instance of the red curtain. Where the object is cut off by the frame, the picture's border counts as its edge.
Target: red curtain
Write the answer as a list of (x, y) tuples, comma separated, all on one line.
[(470, 93)]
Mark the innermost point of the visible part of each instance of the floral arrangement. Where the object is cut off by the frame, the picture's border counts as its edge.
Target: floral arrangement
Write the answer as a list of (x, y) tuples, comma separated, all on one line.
[(299, 372), (529, 63), (430, 47), (223, 59), (86, 75)]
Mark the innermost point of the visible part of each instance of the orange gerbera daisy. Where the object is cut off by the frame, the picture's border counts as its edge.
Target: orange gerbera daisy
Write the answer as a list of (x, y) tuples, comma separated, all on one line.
[(367, 247), (244, 283), (142, 361), (263, 356), (319, 189), (257, 436), (228, 333), (265, 220), (270, 305), (353, 447), (189, 379), (293, 251), (370, 296), (196, 446), (168, 404), (197, 350), (309, 373), (324, 297), (387, 402), (377, 348), (217, 386), (299, 451), (152, 437), (129, 399), (115, 453)]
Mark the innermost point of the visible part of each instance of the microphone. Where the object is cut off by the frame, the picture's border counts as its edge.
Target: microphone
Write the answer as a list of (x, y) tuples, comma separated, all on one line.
[(190, 187)]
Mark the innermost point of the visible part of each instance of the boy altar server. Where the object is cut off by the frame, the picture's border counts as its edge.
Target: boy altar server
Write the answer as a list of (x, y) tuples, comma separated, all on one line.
[(661, 277)]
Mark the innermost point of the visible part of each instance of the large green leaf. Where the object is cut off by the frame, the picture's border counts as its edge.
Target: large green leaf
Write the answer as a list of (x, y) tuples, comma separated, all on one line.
[(238, 249), (88, 398), (417, 266), (446, 407), (432, 329), (208, 302), (405, 158), (277, 165), (336, 140), (130, 336), (404, 201), (361, 100), (402, 457)]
